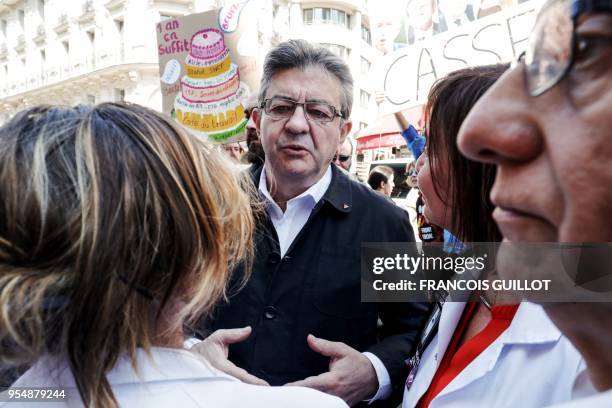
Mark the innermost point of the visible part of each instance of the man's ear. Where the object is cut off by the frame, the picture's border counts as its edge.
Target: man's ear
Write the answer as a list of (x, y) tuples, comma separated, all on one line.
[(345, 129), (256, 115)]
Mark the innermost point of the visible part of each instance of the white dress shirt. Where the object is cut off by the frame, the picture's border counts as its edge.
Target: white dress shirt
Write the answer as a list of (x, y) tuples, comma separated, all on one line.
[(602, 400), (288, 225), (171, 378), (531, 364)]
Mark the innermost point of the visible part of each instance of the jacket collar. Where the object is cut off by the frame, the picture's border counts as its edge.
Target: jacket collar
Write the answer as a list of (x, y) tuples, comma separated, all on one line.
[(338, 195), (530, 325)]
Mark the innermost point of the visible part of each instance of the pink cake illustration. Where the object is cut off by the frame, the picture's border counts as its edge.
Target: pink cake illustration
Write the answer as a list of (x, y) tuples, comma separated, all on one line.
[(210, 102)]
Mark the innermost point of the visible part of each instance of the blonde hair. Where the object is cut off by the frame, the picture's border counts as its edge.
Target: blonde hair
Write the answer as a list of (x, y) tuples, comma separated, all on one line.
[(107, 215)]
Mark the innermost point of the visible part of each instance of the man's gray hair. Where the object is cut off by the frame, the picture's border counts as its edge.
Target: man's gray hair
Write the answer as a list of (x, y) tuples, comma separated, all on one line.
[(299, 54)]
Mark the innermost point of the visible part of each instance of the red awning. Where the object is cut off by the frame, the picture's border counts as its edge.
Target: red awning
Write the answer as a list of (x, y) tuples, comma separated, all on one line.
[(385, 132), (379, 141)]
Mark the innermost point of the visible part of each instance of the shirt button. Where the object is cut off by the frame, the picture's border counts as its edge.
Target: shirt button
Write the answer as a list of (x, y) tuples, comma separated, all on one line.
[(274, 258), (436, 357), (270, 312)]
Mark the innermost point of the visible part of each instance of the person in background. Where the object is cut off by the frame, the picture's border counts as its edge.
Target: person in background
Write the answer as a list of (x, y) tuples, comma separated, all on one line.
[(255, 154), (531, 124), (490, 347), (344, 155), (420, 17), (488, 7), (380, 180), (455, 13), (117, 229), (413, 195), (234, 150), (427, 231)]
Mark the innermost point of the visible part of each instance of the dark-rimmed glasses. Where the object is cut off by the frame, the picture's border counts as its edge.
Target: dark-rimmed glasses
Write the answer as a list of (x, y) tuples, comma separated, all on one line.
[(553, 43), (341, 158), (283, 108)]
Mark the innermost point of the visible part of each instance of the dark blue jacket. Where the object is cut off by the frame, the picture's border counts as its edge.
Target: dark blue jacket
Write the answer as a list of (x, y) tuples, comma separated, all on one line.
[(315, 289)]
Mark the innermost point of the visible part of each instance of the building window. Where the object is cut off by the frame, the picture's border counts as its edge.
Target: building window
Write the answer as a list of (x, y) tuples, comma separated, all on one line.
[(364, 99), (365, 66), (365, 35), (119, 95), (91, 35), (119, 25), (308, 16), (339, 50), (324, 15), (40, 5), (66, 46), (21, 15), (3, 25), (43, 56)]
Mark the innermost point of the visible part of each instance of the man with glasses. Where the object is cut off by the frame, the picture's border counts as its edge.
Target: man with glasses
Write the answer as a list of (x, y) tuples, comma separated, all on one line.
[(547, 125), (344, 155), (305, 281)]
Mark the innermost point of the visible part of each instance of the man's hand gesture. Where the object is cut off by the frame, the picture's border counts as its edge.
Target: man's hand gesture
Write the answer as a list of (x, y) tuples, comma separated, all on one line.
[(215, 349), (351, 375)]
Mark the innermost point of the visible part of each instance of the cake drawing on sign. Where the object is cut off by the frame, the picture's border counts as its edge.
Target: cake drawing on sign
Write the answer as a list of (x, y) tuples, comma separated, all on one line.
[(210, 101)]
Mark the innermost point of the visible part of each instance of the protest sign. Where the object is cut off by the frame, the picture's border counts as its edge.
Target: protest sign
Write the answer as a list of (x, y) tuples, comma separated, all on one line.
[(406, 74), (208, 66)]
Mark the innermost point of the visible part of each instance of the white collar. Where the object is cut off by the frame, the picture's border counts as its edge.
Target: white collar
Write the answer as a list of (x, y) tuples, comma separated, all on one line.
[(315, 192), (531, 325)]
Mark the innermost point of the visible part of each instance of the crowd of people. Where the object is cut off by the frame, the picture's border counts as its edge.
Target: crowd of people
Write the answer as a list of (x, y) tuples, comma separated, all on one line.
[(140, 266)]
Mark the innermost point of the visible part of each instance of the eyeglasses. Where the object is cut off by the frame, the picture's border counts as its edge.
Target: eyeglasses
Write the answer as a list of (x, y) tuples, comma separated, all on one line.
[(341, 157), (283, 108), (553, 44)]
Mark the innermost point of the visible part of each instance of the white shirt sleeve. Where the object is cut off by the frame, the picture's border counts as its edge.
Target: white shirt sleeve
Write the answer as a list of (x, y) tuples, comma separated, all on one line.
[(384, 381), (189, 342)]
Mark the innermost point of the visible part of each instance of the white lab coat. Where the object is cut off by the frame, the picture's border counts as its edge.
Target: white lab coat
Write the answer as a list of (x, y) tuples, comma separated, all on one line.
[(172, 378), (531, 364), (603, 400)]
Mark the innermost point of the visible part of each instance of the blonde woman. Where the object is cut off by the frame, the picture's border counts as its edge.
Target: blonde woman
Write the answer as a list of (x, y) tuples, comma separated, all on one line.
[(117, 228)]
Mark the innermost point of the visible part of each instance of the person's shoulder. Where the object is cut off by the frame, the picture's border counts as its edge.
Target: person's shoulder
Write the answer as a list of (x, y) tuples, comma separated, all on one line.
[(363, 194), (231, 394), (297, 397), (601, 400)]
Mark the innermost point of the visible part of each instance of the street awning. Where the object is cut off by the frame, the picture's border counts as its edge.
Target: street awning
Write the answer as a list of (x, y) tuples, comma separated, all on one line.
[(385, 132)]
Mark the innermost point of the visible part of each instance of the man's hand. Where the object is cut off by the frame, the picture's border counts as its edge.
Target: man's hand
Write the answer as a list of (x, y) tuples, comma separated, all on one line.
[(215, 349), (351, 375)]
